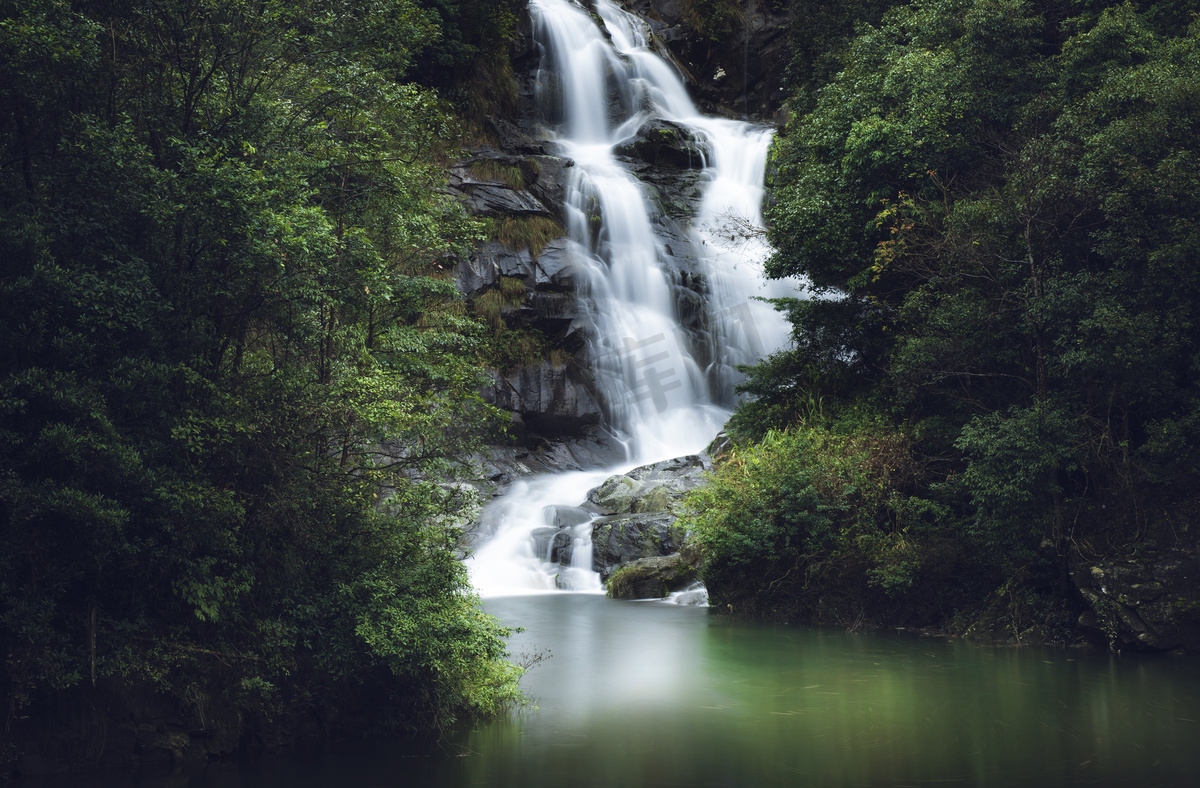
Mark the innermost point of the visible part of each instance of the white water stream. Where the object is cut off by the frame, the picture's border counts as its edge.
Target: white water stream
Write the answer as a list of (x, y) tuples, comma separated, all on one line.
[(596, 92)]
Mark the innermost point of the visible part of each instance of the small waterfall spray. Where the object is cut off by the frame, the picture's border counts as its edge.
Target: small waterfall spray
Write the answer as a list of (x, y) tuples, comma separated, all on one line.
[(666, 392)]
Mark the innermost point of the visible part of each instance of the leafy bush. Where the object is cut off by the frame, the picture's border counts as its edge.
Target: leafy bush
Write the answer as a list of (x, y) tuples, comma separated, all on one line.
[(813, 524)]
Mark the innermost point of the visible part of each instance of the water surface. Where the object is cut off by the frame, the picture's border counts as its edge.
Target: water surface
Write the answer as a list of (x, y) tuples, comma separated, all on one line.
[(652, 694)]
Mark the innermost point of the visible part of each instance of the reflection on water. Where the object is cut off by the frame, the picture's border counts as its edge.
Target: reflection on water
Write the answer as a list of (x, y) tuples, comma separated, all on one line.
[(650, 694), (654, 695)]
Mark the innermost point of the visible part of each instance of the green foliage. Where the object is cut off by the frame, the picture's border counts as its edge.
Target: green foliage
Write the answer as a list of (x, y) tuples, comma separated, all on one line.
[(715, 20), (817, 523), (997, 199), (469, 61), (528, 232), (510, 175), (821, 33), (230, 336)]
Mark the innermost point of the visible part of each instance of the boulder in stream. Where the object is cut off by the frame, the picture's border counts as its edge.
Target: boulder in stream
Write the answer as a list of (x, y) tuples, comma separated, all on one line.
[(651, 578), (618, 540)]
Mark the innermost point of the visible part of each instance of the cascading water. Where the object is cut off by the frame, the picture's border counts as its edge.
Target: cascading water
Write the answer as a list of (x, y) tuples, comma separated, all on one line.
[(596, 92)]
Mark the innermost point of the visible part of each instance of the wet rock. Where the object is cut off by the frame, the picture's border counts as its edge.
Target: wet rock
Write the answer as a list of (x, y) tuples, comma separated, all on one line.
[(571, 516), (1152, 603), (618, 540), (514, 139), (675, 194), (479, 272), (650, 488), (617, 495), (651, 578), (553, 270), (550, 186), (656, 498), (550, 399), (556, 266), (488, 199), (640, 511), (556, 306), (662, 143), (741, 74), (553, 545)]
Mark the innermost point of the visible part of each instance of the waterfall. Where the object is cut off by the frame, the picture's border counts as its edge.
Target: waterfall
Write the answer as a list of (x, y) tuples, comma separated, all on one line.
[(666, 391)]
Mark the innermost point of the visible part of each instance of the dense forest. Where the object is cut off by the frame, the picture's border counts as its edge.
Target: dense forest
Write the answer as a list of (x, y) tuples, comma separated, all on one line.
[(993, 400), (235, 375)]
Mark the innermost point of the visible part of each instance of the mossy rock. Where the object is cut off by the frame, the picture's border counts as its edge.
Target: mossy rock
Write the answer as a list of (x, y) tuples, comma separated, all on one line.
[(656, 499), (651, 578)]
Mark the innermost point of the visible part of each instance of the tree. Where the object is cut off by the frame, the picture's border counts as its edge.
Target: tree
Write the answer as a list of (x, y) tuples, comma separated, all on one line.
[(234, 367)]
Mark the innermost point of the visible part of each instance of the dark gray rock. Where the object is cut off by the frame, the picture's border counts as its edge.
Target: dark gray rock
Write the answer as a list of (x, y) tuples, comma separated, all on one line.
[(742, 74), (553, 271), (513, 139), (571, 516), (551, 400), (491, 261), (620, 539), (556, 306), (488, 199), (553, 545), (556, 266), (662, 143), (1152, 603), (550, 186), (500, 466), (478, 272), (651, 578)]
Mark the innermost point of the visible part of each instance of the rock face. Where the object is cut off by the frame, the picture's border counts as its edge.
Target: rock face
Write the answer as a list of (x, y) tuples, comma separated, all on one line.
[(523, 184), (741, 74), (552, 270), (649, 578), (1149, 604), (549, 399)]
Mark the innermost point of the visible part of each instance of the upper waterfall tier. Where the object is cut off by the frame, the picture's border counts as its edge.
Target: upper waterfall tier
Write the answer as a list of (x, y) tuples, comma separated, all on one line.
[(665, 388)]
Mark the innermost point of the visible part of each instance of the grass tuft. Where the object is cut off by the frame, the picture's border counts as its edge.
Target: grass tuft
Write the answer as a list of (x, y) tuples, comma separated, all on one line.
[(510, 175), (530, 232)]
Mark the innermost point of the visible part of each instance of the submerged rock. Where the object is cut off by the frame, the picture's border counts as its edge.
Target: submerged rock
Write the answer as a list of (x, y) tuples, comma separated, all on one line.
[(694, 595)]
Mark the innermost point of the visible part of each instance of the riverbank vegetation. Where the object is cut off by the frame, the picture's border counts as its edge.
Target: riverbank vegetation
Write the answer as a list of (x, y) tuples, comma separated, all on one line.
[(998, 385), (235, 377)]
